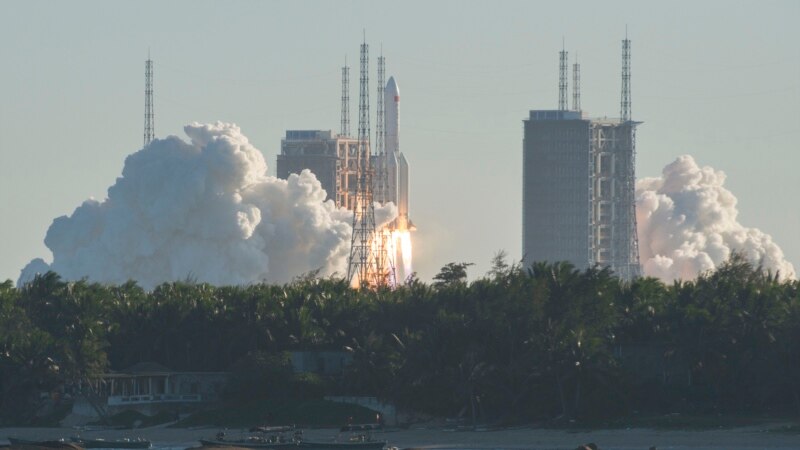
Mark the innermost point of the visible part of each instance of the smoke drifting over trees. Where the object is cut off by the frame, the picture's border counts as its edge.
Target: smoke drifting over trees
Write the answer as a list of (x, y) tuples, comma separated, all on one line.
[(688, 224), (205, 210)]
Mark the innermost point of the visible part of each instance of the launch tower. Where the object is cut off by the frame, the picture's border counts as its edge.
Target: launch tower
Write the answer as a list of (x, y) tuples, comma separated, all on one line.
[(368, 263), (355, 175)]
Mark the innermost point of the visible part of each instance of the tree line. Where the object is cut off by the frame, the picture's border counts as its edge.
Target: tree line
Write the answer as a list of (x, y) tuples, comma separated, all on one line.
[(543, 342)]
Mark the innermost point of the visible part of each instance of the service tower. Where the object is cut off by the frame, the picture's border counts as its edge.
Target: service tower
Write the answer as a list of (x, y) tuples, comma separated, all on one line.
[(578, 200)]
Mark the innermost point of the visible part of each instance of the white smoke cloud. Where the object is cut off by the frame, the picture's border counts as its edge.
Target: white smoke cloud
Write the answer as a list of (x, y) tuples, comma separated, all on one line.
[(687, 224), (205, 210)]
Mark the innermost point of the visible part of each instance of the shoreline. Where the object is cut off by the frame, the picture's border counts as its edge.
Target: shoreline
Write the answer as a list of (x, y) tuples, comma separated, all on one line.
[(743, 438)]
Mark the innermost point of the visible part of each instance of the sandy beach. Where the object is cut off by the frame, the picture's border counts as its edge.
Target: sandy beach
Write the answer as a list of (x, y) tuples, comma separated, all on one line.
[(746, 438)]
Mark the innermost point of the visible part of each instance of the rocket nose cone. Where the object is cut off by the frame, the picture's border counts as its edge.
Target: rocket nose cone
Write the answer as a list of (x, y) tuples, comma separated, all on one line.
[(391, 88)]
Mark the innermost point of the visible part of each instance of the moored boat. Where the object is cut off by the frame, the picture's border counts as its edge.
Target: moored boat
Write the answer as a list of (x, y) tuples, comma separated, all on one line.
[(51, 443), (247, 443), (111, 443), (351, 437), (273, 438), (350, 445)]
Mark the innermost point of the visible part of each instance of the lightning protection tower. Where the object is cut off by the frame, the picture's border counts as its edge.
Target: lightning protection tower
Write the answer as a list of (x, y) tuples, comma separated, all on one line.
[(363, 262), (576, 86), (562, 80), (345, 128), (380, 134), (149, 127), (386, 263), (625, 100), (627, 241)]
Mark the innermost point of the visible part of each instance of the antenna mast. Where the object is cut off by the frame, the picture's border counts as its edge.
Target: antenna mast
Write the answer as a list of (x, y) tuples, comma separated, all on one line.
[(625, 102), (562, 80), (149, 127), (345, 128), (576, 85), (362, 263)]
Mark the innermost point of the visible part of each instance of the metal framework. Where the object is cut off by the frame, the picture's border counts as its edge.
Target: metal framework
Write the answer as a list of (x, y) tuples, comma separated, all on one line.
[(363, 263), (634, 269), (385, 255), (380, 134), (625, 101), (562, 80), (345, 125), (615, 241), (613, 222), (576, 86), (149, 116)]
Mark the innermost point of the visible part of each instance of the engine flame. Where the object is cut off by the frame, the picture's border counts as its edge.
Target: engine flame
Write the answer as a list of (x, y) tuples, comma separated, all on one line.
[(402, 242)]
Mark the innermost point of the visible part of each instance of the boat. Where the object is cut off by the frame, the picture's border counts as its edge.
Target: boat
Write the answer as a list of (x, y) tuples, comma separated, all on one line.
[(269, 438), (350, 445), (351, 437), (266, 429), (51, 443), (248, 443), (111, 443)]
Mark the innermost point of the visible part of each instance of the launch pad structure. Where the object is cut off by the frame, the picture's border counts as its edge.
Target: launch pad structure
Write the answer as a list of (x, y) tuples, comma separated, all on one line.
[(579, 182), (358, 176), (364, 264), (352, 175)]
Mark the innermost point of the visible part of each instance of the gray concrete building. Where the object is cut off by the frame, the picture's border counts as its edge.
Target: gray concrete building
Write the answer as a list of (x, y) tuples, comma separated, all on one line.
[(332, 158), (555, 195)]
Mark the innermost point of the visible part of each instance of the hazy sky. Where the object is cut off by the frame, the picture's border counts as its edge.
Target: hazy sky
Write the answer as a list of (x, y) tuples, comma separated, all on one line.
[(719, 80)]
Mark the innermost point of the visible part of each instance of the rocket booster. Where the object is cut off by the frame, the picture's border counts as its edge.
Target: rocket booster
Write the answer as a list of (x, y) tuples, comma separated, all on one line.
[(396, 163)]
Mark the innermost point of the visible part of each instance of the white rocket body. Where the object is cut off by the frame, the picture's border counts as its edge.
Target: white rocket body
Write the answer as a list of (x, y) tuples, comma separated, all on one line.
[(396, 164)]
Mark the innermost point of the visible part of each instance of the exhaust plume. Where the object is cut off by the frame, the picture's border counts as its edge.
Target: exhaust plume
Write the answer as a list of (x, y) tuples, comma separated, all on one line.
[(687, 223), (205, 210)]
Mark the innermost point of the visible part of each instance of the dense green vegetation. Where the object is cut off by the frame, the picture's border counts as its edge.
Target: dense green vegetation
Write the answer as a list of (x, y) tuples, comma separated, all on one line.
[(519, 344)]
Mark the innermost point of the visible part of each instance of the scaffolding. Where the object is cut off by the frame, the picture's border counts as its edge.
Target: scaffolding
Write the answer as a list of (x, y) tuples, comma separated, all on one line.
[(368, 265), (613, 223)]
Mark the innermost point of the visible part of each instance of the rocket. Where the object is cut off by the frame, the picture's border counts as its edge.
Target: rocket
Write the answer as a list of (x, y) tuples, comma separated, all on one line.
[(396, 164)]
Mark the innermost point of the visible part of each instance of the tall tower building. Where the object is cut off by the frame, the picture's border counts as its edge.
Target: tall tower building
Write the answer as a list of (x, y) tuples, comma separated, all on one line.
[(578, 187)]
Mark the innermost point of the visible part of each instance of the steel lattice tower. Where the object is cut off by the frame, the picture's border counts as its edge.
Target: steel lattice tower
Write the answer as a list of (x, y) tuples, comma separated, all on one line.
[(380, 133), (576, 86), (562, 80), (363, 262), (634, 268), (345, 128), (385, 256), (149, 117), (625, 101)]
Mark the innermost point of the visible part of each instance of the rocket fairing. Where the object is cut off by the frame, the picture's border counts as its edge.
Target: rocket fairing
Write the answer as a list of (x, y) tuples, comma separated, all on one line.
[(396, 164), (391, 100)]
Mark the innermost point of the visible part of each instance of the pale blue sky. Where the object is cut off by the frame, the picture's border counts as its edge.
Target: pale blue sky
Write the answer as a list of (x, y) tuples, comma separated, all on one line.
[(719, 80)]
